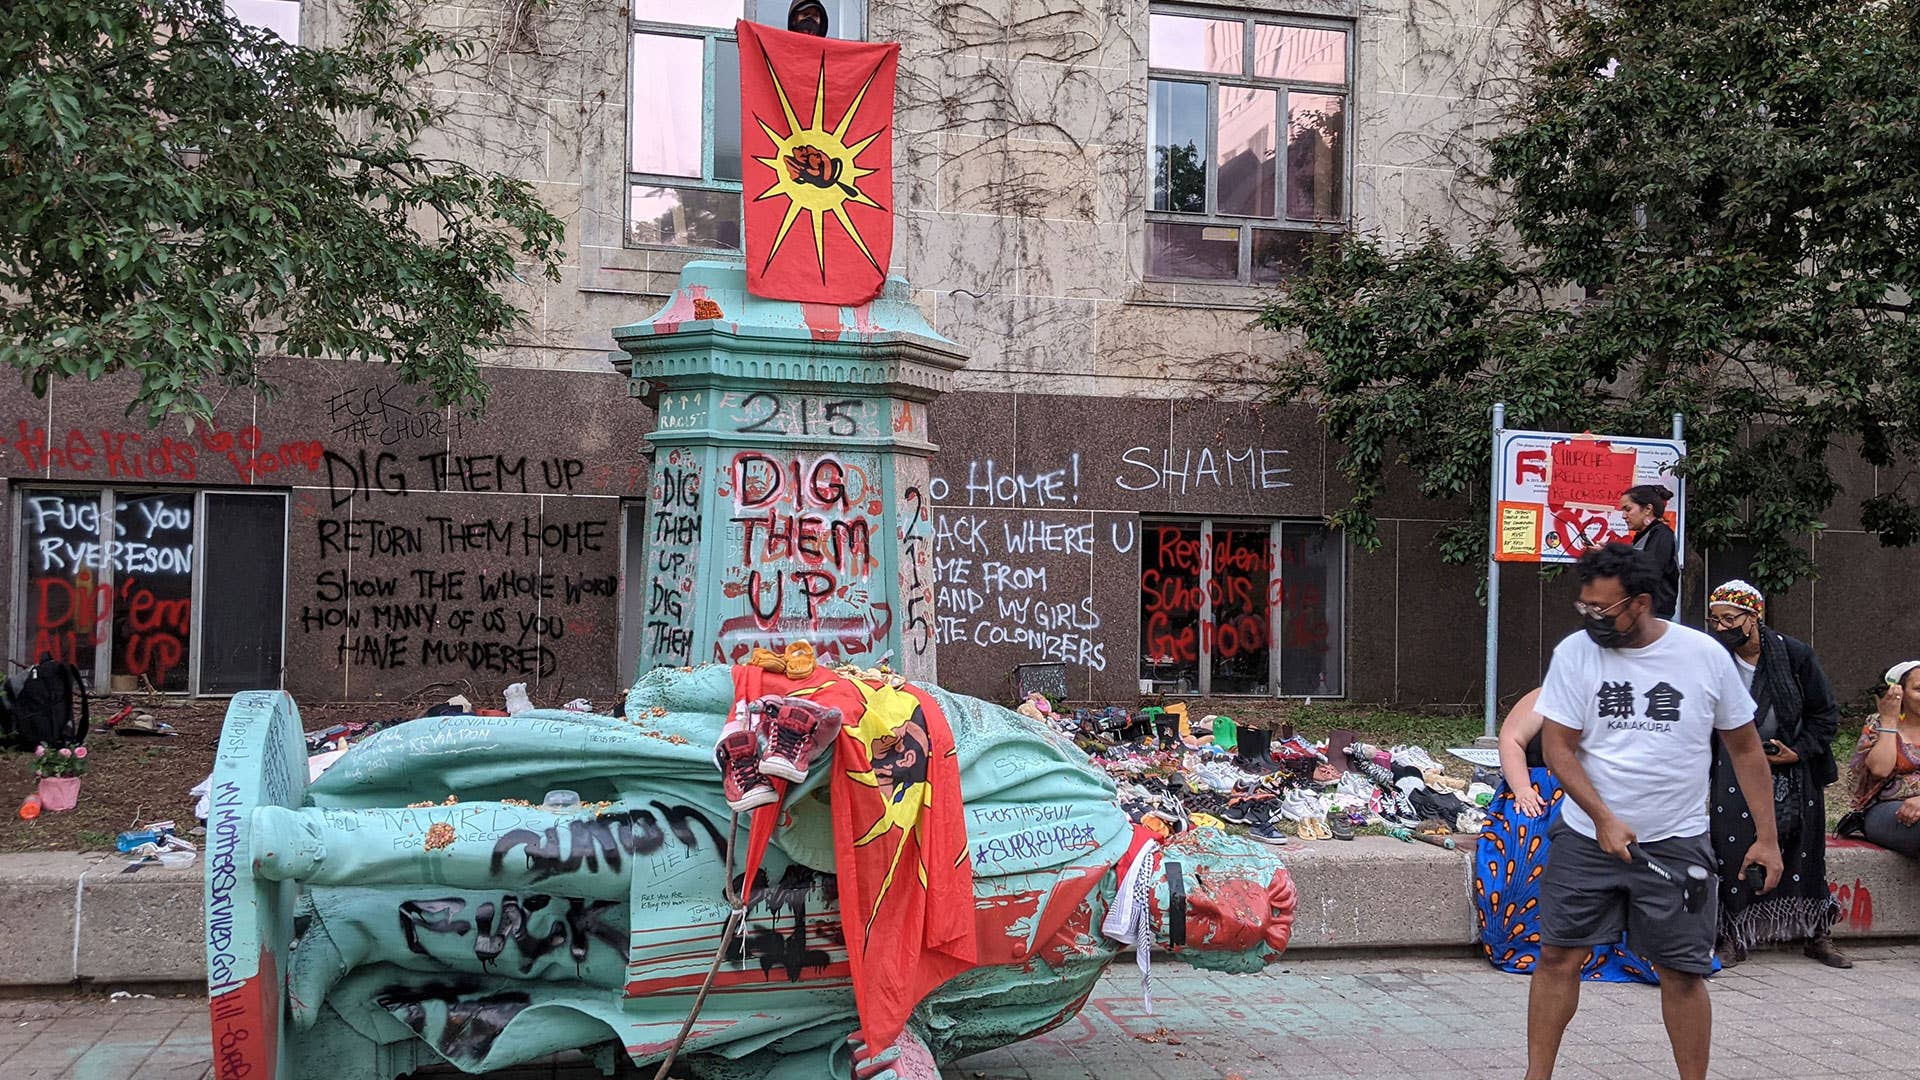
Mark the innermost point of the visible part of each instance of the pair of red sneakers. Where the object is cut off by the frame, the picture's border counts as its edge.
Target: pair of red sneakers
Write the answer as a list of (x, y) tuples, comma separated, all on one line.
[(773, 736)]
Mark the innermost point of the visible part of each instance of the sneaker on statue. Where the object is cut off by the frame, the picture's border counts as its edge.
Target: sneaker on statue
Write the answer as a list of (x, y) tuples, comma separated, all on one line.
[(793, 728)]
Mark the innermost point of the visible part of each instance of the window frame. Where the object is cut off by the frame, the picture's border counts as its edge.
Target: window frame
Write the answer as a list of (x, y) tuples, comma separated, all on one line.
[(108, 497), (1283, 91), (709, 37), (1276, 625)]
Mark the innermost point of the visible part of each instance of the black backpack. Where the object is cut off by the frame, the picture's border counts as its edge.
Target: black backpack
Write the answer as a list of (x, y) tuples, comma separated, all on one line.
[(41, 708)]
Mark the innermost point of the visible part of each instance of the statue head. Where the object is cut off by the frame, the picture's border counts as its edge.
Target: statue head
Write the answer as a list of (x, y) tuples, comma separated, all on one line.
[(1232, 909)]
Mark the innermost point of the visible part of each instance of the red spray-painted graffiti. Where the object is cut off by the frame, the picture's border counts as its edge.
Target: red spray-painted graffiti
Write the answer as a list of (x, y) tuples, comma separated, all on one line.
[(1218, 599), (1856, 904), (801, 556), (124, 578), (127, 455)]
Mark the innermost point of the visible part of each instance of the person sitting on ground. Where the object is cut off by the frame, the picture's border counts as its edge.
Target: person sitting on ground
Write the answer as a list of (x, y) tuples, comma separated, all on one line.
[(1796, 717), (1644, 507), (1633, 702), (1886, 767), (1512, 853)]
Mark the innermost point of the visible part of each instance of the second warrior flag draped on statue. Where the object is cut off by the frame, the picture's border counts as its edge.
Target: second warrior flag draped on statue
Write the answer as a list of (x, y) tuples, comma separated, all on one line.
[(816, 132)]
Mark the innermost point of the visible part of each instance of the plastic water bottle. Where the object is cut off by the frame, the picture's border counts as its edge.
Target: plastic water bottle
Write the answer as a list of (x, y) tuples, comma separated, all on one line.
[(560, 800), (31, 808), (133, 838)]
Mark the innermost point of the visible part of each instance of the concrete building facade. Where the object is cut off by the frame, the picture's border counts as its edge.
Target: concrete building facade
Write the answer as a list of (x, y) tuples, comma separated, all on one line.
[(1092, 198)]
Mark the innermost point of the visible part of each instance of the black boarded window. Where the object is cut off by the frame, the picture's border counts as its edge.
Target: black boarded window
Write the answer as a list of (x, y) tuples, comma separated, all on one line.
[(1252, 608), (173, 591)]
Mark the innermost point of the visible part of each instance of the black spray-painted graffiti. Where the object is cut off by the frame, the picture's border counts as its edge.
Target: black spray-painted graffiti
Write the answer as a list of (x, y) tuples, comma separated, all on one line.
[(915, 560), (502, 622), (590, 841), (471, 1024), (788, 951), (510, 922)]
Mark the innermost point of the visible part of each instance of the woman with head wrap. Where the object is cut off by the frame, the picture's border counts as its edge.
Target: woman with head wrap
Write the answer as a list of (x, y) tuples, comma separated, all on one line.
[(1886, 768), (1797, 717)]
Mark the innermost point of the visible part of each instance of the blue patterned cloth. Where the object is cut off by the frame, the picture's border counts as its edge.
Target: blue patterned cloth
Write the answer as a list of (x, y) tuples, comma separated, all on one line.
[(1507, 865)]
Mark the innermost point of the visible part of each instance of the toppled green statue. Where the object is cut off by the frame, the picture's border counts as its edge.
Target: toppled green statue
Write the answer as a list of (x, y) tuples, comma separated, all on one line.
[(416, 904)]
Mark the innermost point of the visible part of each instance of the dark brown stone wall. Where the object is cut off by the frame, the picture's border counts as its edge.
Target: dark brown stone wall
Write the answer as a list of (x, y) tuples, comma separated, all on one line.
[(424, 549), (482, 552)]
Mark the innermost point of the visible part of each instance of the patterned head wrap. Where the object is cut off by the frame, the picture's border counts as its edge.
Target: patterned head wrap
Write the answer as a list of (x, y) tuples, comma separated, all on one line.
[(1737, 593)]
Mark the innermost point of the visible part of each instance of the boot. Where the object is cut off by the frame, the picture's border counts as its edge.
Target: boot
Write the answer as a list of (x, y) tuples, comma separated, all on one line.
[(1820, 947)]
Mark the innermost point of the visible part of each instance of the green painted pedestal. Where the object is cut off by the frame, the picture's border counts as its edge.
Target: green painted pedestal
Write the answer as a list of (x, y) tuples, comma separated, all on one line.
[(788, 499)]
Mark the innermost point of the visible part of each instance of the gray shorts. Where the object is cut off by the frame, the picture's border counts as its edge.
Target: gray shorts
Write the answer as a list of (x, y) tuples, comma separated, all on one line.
[(1588, 898)]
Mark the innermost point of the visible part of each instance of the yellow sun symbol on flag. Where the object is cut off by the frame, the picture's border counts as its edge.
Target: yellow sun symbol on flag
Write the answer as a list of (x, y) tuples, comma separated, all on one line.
[(816, 170)]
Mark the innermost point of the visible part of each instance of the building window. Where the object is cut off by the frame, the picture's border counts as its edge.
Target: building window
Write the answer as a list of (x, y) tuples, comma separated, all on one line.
[(683, 134), (1247, 125), (116, 582), (280, 17), (1242, 608)]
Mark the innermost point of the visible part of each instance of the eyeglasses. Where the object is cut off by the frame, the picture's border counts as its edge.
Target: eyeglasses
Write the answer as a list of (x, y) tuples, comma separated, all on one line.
[(1723, 622), (1588, 611)]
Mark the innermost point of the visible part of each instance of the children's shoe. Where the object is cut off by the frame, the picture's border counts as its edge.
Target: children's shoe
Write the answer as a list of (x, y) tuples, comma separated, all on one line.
[(1267, 834), (738, 756), (791, 726)]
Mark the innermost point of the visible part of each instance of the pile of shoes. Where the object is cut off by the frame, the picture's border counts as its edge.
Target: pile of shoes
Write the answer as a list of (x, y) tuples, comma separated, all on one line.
[(1174, 774)]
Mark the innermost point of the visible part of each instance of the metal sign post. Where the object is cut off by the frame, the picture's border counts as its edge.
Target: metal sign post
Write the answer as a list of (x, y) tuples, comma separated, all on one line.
[(1493, 568), (1680, 497)]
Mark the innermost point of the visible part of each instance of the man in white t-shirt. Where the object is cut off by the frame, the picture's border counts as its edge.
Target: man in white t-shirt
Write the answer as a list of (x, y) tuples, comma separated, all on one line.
[(1632, 703)]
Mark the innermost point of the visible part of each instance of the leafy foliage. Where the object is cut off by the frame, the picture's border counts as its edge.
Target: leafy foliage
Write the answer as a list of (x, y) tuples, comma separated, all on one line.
[(181, 194), (1738, 186)]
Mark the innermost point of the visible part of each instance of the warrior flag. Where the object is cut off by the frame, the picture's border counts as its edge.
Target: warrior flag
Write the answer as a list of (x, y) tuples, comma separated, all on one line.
[(899, 840), (816, 133)]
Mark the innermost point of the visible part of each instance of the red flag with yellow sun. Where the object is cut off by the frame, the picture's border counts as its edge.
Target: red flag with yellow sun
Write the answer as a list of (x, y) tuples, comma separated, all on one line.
[(816, 131), (899, 839)]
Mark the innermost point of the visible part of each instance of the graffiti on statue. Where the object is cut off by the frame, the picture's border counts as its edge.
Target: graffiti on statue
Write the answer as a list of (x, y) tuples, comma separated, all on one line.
[(799, 554)]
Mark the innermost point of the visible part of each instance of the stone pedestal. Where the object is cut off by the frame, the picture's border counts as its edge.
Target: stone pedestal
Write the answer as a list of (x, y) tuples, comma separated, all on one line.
[(788, 499)]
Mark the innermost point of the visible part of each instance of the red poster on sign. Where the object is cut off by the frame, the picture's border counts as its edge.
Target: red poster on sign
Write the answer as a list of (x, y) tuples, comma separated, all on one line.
[(1589, 473), (816, 132)]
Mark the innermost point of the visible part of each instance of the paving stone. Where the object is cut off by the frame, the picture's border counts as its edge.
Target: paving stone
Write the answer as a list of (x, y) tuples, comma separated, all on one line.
[(1370, 1016)]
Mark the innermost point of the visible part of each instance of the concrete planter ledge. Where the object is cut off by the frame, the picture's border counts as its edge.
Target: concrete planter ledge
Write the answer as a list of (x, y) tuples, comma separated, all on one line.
[(71, 919)]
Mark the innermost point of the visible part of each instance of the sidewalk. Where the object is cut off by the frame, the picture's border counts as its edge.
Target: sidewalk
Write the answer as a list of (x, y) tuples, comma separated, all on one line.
[(78, 919), (1779, 1015)]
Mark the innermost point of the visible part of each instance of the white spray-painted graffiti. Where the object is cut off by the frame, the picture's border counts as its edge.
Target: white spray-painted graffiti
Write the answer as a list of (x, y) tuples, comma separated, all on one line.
[(1001, 581)]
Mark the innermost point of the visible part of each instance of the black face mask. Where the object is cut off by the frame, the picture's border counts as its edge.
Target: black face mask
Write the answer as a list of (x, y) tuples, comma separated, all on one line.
[(1604, 633), (1733, 637)]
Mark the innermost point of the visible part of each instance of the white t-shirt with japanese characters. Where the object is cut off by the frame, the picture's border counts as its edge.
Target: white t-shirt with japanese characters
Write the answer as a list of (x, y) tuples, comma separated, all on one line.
[(1646, 719)]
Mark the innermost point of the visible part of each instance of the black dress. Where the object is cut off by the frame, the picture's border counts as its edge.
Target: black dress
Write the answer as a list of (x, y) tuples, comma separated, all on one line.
[(1658, 541), (1800, 907)]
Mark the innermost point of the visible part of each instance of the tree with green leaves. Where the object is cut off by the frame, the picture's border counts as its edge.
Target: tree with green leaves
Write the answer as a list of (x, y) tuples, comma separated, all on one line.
[(183, 195), (1717, 213)]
